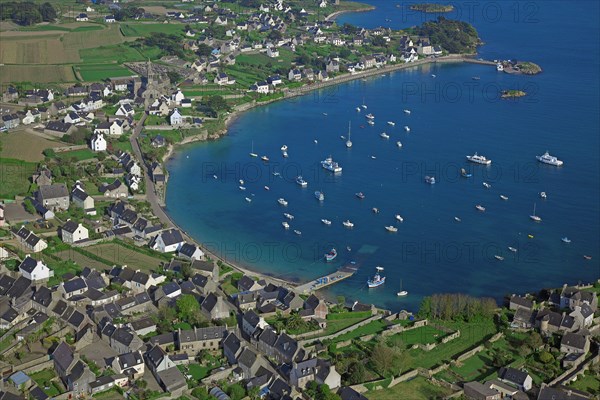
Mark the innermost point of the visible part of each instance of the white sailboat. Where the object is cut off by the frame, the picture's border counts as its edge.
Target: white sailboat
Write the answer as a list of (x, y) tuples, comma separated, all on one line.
[(535, 217), (252, 153), (401, 292), (349, 142)]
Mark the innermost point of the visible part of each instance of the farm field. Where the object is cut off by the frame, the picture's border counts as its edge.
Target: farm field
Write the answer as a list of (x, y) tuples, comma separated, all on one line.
[(118, 53), (120, 255), (98, 72), (14, 177), (140, 29), (24, 145), (415, 389), (81, 259), (79, 155)]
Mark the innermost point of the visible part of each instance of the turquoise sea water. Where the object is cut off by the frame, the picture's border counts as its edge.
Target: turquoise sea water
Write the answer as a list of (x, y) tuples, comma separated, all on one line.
[(452, 116)]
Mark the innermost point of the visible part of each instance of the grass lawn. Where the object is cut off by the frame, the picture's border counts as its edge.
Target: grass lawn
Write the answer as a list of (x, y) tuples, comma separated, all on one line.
[(472, 334), (155, 120), (198, 371), (108, 394), (81, 259), (182, 325), (588, 383), (415, 389), (368, 329), (423, 335), (98, 72), (47, 379), (121, 255), (134, 30), (26, 146), (124, 146), (84, 154), (474, 368), (14, 177), (337, 325)]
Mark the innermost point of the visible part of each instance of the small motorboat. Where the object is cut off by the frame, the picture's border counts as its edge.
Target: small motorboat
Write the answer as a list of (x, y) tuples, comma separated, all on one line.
[(433, 75), (499, 258), (480, 207), (503, 197), (587, 257), (530, 236), (276, 173), (325, 114), (465, 174), (406, 111), (375, 210), (430, 180), (284, 147), (399, 218), (285, 225), (331, 255), (402, 293), (370, 122), (487, 185), (215, 177), (514, 250), (391, 123), (288, 216), (326, 221), (282, 201), (348, 224), (384, 135), (297, 232), (358, 109), (373, 157), (475, 78), (248, 199), (360, 195), (399, 143), (566, 240), (285, 154), (391, 228), (406, 128), (242, 187), (543, 195), (264, 158), (241, 181), (457, 219)]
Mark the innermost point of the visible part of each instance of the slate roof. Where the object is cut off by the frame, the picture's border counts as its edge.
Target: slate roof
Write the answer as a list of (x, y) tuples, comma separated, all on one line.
[(70, 227), (251, 318), (19, 287), (54, 191), (245, 283), (76, 319), (63, 356), (232, 342), (521, 301), (155, 355), (247, 358), (128, 360), (347, 393), (512, 375), (140, 277), (188, 249), (170, 287), (575, 340), (43, 296), (171, 236), (28, 264), (74, 284)]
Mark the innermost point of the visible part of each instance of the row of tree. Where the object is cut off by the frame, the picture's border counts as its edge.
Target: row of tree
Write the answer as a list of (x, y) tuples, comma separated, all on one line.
[(457, 306), (27, 13), (454, 36)]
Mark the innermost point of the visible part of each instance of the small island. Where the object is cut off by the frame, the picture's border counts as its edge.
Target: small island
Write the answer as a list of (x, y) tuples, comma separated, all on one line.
[(521, 67), (512, 94), (432, 8)]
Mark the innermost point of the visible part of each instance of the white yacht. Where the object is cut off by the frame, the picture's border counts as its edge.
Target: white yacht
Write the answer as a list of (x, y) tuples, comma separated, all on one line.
[(399, 143), (391, 123), (282, 201), (503, 197), (391, 228), (288, 216), (546, 158), (384, 135), (285, 225), (399, 218), (348, 142), (326, 221), (476, 158), (406, 111), (284, 147), (348, 224)]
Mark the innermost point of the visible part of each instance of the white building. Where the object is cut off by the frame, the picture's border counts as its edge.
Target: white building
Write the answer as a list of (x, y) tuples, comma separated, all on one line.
[(177, 97), (34, 270), (72, 232), (98, 143), (176, 118), (273, 52), (168, 241)]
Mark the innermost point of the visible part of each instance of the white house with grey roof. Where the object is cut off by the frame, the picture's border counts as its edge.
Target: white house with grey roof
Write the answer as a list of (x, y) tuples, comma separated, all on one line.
[(168, 241), (521, 379), (72, 232), (191, 252), (73, 287), (54, 197), (130, 364), (29, 240), (97, 142), (83, 200), (35, 270), (165, 371)]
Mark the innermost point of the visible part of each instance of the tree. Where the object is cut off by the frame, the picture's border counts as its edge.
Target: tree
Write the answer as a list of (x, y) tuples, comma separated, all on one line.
[(546, 357), (382, 358), (187, 307), (174, 76), (356, 372), (29, 206), (216, 104), (204, 50), (236, 391), (165, 318), (534, 341), (254, 393), (378, 41)]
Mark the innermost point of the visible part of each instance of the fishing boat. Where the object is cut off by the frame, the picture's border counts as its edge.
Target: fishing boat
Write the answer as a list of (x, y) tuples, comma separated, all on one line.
[(301, 182), (358, 109), (384, 135), (360, 195), (480, 207), (399, 143), (535, 217), (284, 147), (331, 255), (285, 154), (326, 221), (464, 173), (285, 225), (514, 250), (377, 279), (503, 197), (319, 195), (391, 228), (486, 185), (566, 240), (248, 199), (499, 258), (543, 195), (371, 122), (370, 116), (264, 158), (214, 176), (348, 224), (267, 188), (477, 159), (297, 232), (373, 157), (430, 180), (530, 236), (348, 142), (457, 219), (399, 218), (363, 104), (331, 165), (406, 111), (242, 187), (288, 216), (391, 123), (375, 210), (546, 158), (276, 173), (282, 201), (241, 181), (587, 257), (316, 141), (433, 75), (252, 153), (407, 128)]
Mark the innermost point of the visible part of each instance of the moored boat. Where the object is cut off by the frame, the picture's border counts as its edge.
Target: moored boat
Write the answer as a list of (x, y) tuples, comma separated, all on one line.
[(486, 185), (331, 165), (331, 255), (348, 224), (248, 199), (399, 218), (319, 195), (285, 154), (464, 173), (267, 188), (326, 221), (546, 158), (242, 188), (430, 180), (300, 181), (503, 197), (399, 143), (284, 147), (384, 135), (480, 207), (406, 111), (370, 116), (297, 232), (264, 158), (288, 216), (391, 228), (499, 258), (282, 201), (377, 279), (285, 225), (391, 123), (476, 158), (370, 122), (543, 195), (534, 217), (375, 210), (514, 250), (407, 128), (360, 195), (457, 219), (566, 240)]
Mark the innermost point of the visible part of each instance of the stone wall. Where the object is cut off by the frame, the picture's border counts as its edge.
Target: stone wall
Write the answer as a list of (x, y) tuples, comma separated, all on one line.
[(334, 335), (450, 337)]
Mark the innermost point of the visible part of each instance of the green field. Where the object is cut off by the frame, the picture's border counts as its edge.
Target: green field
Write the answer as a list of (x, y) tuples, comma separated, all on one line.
[(120, 255), (415, 389), (98, 72), (14, 177), (47, 378), (118, 53), (136, 30), (84, 154), (588, 383)]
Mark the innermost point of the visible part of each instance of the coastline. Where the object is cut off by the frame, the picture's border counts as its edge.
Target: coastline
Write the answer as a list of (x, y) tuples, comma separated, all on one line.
[(336, 14), (236, 113)]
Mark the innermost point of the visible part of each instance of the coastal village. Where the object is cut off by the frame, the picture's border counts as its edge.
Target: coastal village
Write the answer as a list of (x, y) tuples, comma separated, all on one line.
[(103, 296)]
